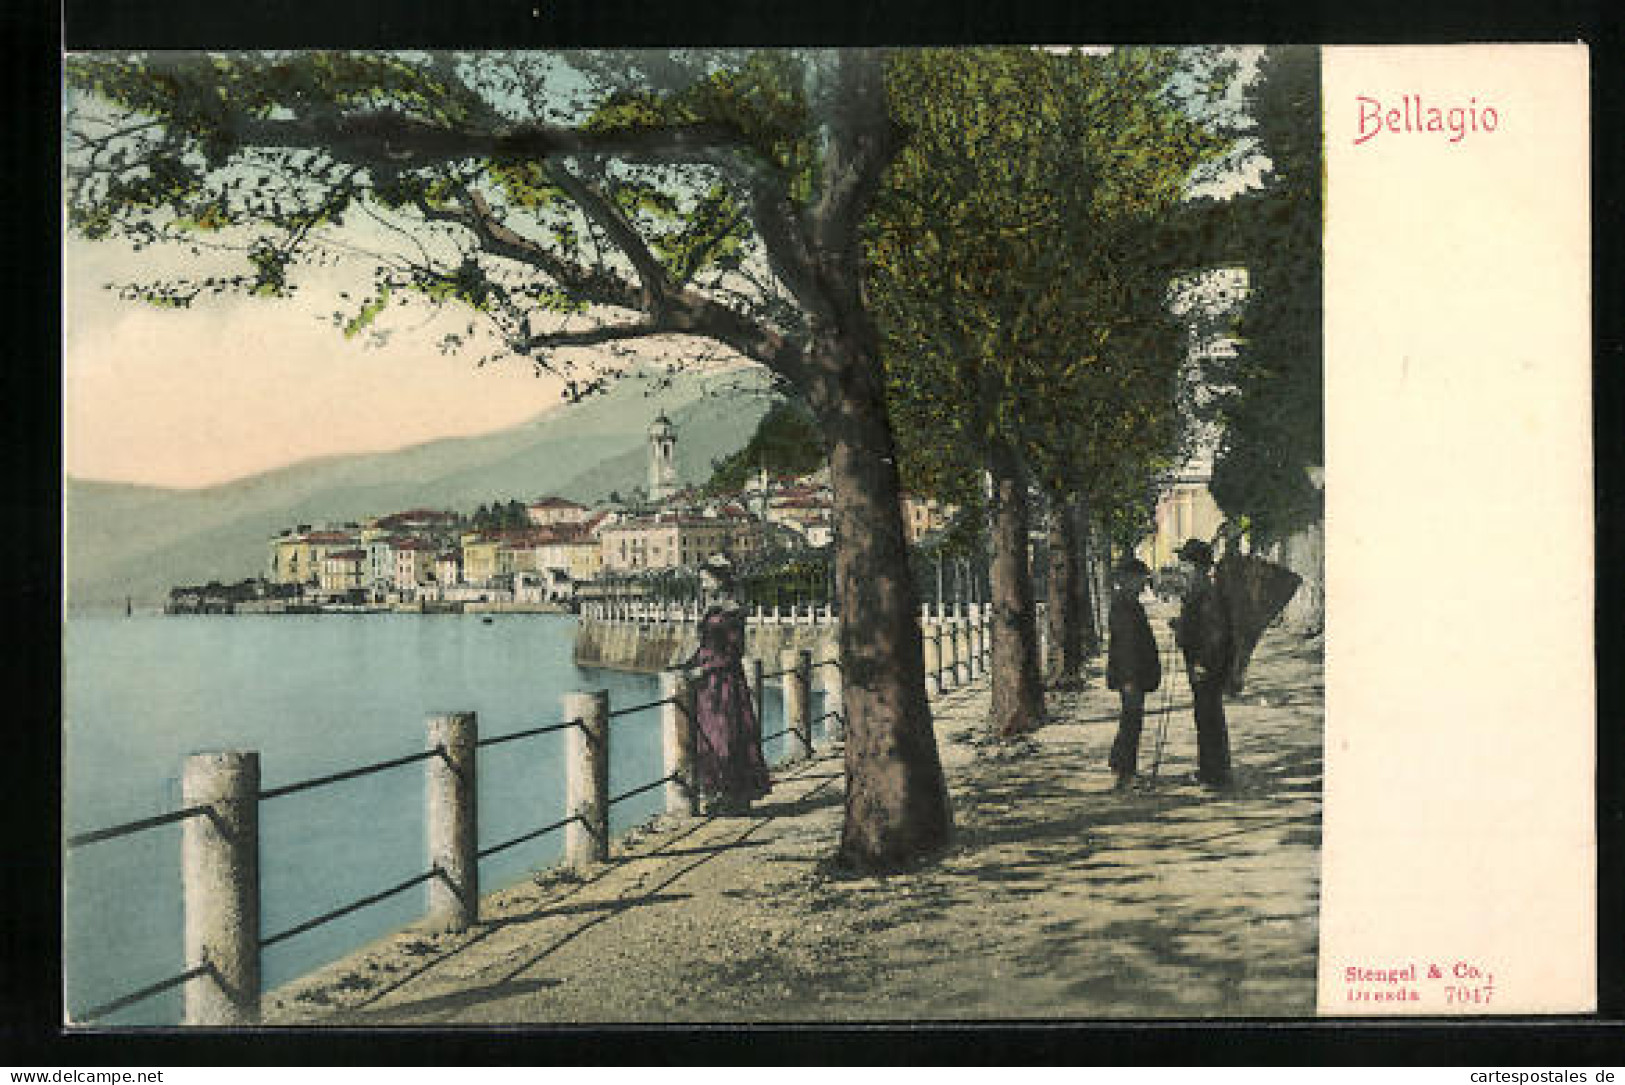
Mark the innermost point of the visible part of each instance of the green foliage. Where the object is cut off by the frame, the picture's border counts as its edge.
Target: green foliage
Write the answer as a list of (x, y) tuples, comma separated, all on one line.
[(171, 149), (500, 516), (787, 441), (1272, 410), (1018, 275), (369, 312)]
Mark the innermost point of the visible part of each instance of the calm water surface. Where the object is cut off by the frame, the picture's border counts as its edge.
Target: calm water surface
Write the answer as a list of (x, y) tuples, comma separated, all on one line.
[(314, 694)]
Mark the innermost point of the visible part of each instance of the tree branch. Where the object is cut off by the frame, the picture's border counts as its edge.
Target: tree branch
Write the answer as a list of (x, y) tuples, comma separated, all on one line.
[(602, 210), (497, 238), (395, 141), (591, 337)]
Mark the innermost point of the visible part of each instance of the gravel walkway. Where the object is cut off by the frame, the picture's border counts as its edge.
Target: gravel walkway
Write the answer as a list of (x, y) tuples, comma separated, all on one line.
[(1059, 899)]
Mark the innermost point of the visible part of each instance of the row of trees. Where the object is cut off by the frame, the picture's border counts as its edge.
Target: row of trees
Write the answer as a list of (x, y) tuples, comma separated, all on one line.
[(957, 262), (1021, 270)]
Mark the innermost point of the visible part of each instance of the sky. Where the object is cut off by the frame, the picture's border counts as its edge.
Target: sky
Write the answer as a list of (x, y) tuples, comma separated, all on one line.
[(234, 386)]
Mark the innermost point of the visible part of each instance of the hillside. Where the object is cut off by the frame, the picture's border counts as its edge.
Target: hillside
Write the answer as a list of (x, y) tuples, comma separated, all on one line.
[(124, 540)]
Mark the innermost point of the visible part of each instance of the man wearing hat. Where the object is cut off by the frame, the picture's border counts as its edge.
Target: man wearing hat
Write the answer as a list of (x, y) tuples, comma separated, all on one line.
[(1203, 635), (1133, 668)]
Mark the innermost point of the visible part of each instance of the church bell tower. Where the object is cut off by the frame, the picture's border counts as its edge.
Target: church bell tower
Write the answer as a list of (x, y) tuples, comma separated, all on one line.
[(662, 458)]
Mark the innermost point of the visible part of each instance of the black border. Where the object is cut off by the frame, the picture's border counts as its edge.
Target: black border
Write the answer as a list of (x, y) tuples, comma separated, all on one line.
[(30, 1033)]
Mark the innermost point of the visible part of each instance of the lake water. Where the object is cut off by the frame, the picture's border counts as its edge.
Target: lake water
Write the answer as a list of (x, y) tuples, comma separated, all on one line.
[(314, 695)]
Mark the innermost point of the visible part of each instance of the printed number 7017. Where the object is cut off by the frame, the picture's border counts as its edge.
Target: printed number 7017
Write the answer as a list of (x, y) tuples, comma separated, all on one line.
[(1480, 995)]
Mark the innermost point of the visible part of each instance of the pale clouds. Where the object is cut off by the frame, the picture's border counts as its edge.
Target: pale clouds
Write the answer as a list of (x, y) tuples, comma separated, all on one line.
[(235, 386)]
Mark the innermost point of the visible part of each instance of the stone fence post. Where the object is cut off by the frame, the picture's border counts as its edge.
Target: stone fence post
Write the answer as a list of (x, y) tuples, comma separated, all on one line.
[(586, 839), (220, 873), (677, 738), (797, 663), (978, 641), (932, 643), (962, 671), (453, 822), (758, 697), (834, 701)]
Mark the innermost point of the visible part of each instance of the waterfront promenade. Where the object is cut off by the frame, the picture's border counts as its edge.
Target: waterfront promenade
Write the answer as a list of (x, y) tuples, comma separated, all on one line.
[(1058, 898)]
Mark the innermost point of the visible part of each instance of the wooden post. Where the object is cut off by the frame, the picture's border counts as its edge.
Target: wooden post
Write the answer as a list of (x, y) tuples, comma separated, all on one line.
[(933, 658), (797, 664), (586, 839), (677, 738), (758, 699), (452, 821), (220, 880)]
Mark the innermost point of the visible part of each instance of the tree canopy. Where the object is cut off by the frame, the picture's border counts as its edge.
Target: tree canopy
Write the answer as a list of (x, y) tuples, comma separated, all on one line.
[(787, 441), (1269, 402), (1021, 291), (1017, 268), (553, 201)]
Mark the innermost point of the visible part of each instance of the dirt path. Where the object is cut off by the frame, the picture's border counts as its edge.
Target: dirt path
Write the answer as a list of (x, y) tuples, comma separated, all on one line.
[(1059, 899)]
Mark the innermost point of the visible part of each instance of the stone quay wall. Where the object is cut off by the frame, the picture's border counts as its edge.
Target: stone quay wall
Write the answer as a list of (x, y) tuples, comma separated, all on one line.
[(651, 639)]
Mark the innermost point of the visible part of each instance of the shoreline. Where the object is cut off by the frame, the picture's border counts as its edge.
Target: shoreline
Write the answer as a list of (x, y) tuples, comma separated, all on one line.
[(280, 609), (1058, 899)]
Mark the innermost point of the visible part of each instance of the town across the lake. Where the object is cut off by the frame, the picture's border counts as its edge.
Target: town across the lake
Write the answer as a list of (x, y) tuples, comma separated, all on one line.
[(552, 554)]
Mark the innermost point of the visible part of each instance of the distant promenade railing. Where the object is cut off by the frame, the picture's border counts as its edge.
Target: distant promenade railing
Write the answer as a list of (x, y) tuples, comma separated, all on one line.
[(664, 613), (221, 797)]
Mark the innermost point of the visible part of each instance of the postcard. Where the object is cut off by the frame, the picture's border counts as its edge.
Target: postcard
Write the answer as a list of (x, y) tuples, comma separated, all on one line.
[(1056, 533)]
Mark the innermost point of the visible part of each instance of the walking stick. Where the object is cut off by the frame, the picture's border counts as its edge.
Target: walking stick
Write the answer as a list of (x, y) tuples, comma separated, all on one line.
[(1162, 715)]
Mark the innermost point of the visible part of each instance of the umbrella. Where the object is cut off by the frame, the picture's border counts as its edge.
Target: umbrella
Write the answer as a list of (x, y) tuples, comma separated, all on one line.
[(1255, 592)]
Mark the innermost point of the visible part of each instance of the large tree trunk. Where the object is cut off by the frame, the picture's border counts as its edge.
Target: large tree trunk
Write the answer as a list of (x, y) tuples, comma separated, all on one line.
[(1305, 554), (897, 807), (1017, 686), (1067, 614)]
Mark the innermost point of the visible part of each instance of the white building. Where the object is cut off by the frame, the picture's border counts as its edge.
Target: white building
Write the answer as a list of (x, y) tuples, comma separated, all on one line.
[(549, 511), (448, 568), (380, 565), (414, 566), (662, 459)]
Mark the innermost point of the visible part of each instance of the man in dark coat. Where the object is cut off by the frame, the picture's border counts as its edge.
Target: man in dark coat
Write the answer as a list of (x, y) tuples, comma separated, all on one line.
[(1203, 635), (1133, 668)]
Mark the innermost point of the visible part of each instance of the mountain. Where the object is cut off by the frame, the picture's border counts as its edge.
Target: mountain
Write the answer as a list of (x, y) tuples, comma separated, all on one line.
[(138, 541)]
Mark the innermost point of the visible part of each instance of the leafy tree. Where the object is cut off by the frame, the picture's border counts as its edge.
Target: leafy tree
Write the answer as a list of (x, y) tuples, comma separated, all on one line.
[(558, 201), (1021, 294), (787, 441), (1265, 471)]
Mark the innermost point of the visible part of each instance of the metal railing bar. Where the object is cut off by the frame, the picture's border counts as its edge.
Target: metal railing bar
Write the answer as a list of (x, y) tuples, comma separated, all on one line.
[(641, 707), (497, 740), (146, 992), (340, 912), (778, 734), (94, 835), (779, 674), (516, 841), (646, 787), (351, 774)]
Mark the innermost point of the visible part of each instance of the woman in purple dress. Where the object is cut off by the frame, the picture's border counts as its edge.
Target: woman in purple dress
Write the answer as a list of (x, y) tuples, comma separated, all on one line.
[(728, 754)]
